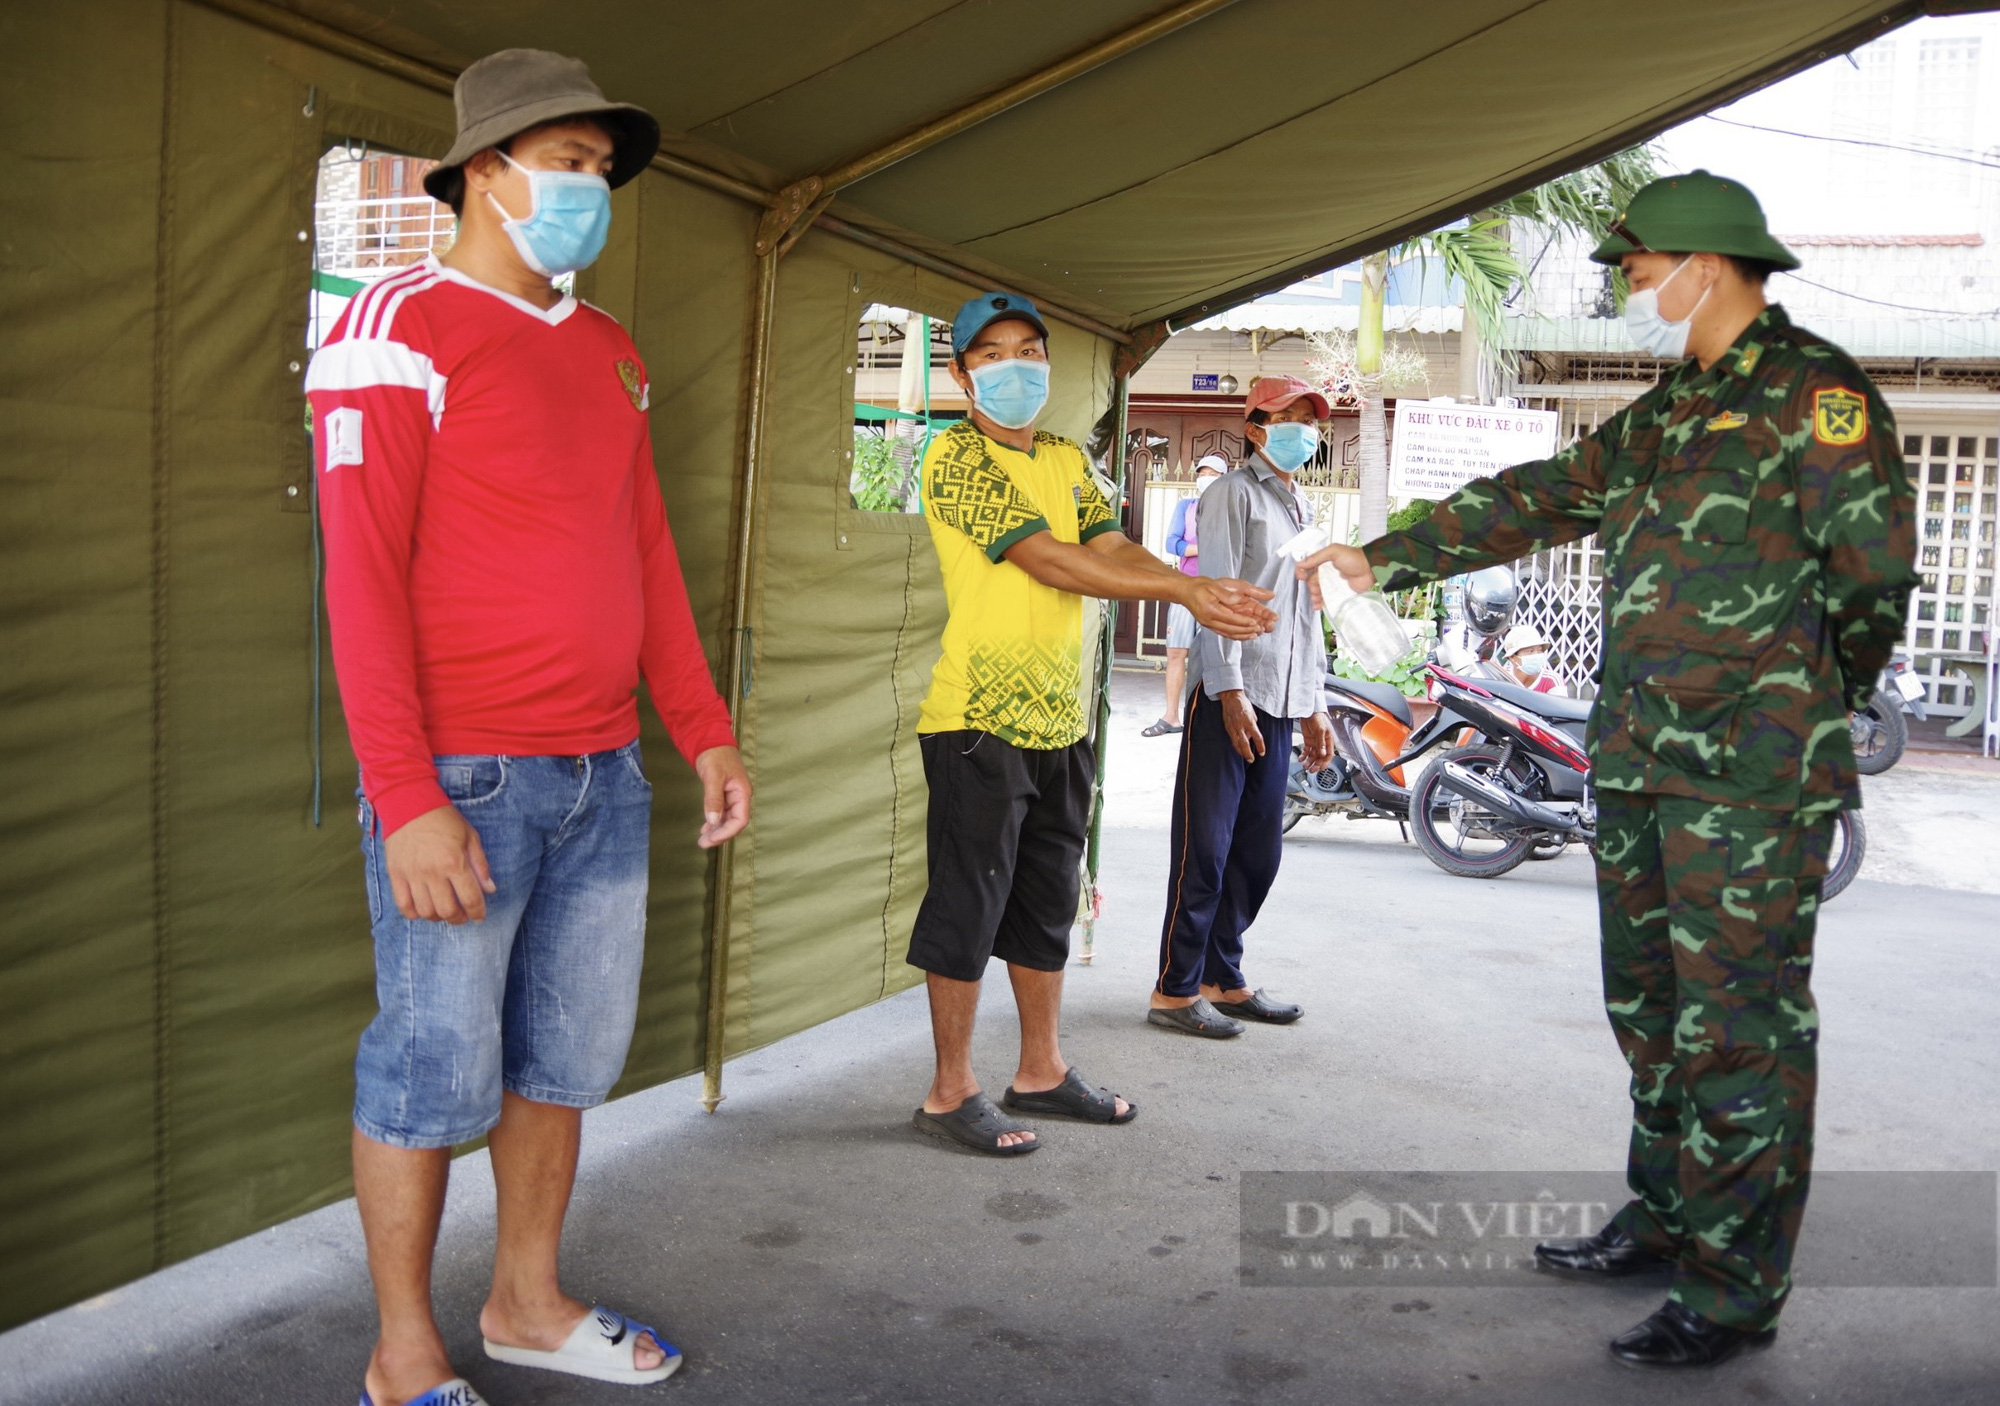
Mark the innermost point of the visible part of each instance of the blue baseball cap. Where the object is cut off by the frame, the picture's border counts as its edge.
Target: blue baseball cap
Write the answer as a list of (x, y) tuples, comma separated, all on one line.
[(982, 312)]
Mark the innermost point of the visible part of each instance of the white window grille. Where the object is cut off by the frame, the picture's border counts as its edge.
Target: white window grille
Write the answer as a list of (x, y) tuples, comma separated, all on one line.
[(363, 238), (1957, 478)]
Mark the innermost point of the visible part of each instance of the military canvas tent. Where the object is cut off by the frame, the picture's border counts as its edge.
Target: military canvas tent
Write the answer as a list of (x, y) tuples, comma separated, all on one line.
[(184, 961)]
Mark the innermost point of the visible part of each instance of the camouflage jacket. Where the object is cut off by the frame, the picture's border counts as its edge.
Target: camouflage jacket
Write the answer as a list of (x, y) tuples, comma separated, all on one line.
[(1758, 534)]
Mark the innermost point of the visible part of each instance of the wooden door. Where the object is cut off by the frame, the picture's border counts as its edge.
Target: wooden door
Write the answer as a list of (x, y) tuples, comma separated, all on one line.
[(1153, 447)]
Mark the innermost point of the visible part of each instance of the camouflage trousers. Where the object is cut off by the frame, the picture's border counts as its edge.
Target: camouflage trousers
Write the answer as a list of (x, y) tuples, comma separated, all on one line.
[(1707, 915)]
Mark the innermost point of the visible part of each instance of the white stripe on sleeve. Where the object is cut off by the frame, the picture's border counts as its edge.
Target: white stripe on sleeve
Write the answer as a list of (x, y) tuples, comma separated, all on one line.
[(380, 294), (395, 303), (353, 365), (364, 301)]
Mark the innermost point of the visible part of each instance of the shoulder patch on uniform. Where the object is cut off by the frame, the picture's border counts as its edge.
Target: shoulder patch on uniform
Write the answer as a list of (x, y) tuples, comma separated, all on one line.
[(1840, 416), (343, 436), (1728, 420)]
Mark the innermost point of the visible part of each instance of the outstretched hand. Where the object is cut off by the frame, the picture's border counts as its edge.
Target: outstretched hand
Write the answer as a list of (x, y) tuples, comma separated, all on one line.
[(1348, 561), (1233, 609)]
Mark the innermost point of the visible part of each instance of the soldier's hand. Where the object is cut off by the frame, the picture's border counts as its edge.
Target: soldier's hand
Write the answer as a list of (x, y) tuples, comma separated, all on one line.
[(1239, 720), (1233, 609), (1348, 561)]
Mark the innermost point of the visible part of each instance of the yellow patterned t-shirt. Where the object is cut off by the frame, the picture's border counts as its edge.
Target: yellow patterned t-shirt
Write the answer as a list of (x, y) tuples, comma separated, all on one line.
[(1013, 648)]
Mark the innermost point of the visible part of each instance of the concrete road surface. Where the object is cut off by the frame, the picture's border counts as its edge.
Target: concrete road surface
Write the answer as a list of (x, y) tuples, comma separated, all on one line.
[(803, 1245)]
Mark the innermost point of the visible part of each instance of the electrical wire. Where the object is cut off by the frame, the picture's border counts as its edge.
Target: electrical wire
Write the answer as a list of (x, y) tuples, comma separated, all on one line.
[(1880, 303), (1969, 160)]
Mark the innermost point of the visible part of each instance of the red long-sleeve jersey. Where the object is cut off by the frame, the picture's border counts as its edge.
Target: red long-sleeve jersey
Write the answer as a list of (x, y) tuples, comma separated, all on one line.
[(499, 568)]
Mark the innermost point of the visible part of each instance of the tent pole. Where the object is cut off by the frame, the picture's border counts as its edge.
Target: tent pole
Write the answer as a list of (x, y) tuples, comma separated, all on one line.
[(1121, 400), (738, 658), (939, 129)]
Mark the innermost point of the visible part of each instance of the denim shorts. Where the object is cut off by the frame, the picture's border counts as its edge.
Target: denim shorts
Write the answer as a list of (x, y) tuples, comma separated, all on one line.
[(1180, 627), (538, 997)]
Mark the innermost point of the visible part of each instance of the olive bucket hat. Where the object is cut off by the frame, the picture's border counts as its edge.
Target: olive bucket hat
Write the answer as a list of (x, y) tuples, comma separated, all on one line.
[(1694, 214), (505, 94)]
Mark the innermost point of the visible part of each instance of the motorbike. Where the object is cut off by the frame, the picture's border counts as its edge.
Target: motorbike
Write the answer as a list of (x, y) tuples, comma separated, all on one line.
[(1374, 732), (1880, 732), (1374, 737), (1481, 809)]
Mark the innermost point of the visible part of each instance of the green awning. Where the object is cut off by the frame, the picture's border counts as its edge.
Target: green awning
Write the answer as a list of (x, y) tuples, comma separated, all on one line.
[(1271, 137)]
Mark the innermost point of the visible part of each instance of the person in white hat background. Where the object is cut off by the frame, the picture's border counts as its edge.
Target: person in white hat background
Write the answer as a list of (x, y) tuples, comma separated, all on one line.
[(1184, 545), (1525, 655), (500, 578)]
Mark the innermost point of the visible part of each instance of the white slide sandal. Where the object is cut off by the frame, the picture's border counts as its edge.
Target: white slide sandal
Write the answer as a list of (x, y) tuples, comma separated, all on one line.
[(600, 1347)]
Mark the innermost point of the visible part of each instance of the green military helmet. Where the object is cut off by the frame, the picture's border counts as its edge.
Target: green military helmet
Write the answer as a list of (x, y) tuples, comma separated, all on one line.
[(1694, 214)]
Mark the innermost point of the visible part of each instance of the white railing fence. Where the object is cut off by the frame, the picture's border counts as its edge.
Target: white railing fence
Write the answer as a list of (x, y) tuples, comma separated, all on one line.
[(360, 238)]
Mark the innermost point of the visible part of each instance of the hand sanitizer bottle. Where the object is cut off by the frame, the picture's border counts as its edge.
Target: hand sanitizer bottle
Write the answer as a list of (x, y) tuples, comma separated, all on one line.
[(1363, 622)]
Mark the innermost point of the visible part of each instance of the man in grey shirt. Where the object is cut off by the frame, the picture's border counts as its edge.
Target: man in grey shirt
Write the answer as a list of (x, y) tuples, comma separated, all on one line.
[(1235, 758)]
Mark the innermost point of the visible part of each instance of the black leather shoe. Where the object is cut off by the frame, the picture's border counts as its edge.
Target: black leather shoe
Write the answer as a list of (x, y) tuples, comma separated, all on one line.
[(1680, 1337), (1612, 1253), (1262, 1007)]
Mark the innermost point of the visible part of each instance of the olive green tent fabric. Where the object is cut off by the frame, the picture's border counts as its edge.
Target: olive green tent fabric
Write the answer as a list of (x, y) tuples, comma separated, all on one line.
[(1268, 134), (184, 959), (185, 963)]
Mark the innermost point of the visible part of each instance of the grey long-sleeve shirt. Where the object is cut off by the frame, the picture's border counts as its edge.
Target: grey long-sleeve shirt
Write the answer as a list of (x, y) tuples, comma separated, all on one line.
[(1245, 517)]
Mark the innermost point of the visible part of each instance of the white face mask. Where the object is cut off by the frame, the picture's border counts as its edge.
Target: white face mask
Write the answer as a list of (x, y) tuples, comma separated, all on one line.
[(1529, 664), (1652, 332), (1203, 484)]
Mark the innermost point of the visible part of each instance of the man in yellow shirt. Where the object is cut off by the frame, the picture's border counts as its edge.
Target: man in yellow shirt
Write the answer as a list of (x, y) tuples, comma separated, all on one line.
[(1023, 533)]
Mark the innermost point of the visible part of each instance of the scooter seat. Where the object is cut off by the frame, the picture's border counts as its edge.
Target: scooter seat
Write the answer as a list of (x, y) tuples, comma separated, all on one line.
[(1389, 700), (1549, 705)]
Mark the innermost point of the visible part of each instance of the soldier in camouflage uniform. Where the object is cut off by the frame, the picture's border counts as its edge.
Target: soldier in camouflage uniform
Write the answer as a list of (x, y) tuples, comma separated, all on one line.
[(1756, 521)]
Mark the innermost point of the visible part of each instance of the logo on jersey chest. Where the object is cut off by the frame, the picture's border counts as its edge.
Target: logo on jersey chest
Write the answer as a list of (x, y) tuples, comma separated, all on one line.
[(634, 381)]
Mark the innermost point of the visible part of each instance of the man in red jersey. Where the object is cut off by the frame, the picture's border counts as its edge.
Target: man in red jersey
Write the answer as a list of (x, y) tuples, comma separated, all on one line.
[(500, 576)]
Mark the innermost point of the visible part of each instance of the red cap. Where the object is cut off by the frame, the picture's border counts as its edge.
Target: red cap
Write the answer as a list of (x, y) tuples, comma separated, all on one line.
[(1276, 392)]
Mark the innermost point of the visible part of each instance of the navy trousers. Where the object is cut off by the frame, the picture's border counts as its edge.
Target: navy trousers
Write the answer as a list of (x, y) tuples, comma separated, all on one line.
[(1228, 835)]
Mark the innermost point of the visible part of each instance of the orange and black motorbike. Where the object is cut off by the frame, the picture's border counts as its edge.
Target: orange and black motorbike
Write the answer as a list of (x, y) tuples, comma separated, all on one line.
[(1374, 738)]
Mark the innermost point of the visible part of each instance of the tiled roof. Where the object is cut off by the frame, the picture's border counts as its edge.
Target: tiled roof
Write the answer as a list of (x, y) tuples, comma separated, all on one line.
[(1906, 241)]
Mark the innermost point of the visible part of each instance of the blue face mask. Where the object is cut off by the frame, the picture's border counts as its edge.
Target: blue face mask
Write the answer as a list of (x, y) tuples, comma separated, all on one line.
[(567, 222), (1012, 392), (1289, 444)]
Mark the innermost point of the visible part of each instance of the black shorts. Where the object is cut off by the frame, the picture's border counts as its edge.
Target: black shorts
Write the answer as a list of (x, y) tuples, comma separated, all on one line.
[(1007, 829)]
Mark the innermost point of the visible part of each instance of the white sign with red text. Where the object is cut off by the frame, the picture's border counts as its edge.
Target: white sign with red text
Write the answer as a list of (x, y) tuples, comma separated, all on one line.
[(1438, 449)]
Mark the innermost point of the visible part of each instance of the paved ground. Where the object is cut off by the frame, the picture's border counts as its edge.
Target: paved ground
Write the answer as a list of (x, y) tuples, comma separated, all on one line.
[(803, 1246)]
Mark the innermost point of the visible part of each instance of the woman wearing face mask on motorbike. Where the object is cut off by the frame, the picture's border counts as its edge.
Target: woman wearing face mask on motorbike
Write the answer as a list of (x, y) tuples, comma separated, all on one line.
[(1527, 655)]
